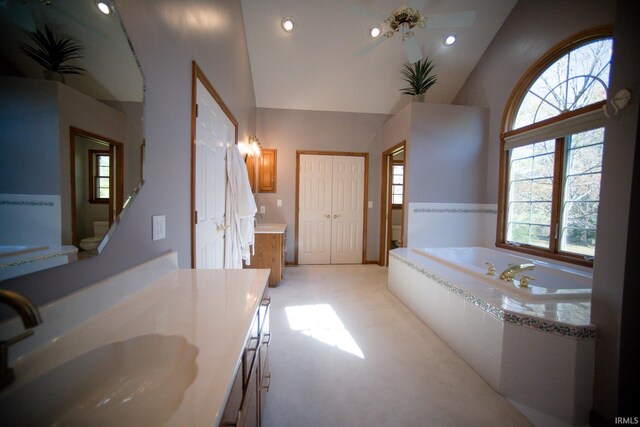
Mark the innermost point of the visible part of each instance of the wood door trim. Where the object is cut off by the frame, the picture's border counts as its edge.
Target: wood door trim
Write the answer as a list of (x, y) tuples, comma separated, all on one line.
[(384, 209), (364, 202), (198, 74)]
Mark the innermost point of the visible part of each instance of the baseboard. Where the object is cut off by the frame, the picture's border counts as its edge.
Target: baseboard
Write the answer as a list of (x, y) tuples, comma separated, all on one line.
[(290, 264), (372, 261)]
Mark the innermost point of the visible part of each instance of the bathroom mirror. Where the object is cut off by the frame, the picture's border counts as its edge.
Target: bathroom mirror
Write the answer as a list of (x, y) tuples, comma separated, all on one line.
[(71, 144)]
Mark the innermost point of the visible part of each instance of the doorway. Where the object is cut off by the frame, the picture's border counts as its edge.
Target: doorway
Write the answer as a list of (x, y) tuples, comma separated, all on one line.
[(214, 129), (392, 201), (331, 189), (97, 182)]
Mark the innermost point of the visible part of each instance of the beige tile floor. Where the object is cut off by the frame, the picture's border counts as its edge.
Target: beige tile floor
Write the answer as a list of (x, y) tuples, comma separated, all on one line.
[(345, 352)]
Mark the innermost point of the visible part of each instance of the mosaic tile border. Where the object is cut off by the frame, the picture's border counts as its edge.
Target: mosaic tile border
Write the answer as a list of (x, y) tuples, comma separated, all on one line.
[(37, 259), (578, 332), (25, 203), (450, 210)]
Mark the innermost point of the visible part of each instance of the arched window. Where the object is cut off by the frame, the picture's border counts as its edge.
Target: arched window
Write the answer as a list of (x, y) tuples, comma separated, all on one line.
[(552, 151)]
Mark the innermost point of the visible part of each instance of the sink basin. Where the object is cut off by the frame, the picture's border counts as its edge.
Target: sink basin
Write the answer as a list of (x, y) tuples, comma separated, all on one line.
[(140, 381)]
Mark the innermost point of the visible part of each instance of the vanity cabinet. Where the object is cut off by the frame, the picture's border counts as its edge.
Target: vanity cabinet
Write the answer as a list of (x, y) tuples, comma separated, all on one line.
[(246, 399), (270, 250)]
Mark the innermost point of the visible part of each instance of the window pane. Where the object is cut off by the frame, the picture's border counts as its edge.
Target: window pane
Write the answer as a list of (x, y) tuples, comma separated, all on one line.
[(397, 179), (103, 160), (577, 79), (396, 199), (581, 193), (530, 194)]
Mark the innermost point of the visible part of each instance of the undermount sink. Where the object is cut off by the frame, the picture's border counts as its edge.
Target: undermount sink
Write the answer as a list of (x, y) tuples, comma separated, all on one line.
[(140, 381)]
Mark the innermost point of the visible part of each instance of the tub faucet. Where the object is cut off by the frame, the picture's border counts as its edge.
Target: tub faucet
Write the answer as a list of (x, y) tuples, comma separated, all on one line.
[(30, 318), (513, 270)]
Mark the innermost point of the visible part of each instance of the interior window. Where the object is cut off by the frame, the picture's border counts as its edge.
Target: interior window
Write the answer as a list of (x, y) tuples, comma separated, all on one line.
[(99, 167), (397, 184), (552, 148)]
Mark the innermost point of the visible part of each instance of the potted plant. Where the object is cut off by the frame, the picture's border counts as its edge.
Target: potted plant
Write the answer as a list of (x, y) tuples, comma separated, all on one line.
[(52, 53), (418, 76)]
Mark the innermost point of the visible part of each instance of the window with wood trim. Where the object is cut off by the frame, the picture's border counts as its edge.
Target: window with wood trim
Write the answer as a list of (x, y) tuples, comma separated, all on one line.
[(397, 184), (552, 147), (100, 173)]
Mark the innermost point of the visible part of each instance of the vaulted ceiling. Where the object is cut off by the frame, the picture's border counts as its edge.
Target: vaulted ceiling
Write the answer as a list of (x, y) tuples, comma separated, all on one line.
[(315, 67)]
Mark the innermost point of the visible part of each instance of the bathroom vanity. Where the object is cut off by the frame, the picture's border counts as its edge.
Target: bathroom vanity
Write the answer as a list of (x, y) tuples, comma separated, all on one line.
[(270, 250), (154, 345)]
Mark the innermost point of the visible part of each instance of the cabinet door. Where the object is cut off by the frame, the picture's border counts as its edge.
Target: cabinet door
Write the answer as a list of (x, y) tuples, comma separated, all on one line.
[(268, 171), (248, 415)]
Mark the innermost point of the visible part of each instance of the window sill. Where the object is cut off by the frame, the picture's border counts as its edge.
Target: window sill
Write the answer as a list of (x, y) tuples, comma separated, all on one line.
[(563, 257)]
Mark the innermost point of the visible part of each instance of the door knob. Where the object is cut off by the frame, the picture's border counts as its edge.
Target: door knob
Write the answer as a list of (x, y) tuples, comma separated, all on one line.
[(327, 216), (335, 216)]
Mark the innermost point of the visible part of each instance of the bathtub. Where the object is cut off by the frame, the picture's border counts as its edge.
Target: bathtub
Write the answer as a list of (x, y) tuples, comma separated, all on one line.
[(551, 281), (535, 345)]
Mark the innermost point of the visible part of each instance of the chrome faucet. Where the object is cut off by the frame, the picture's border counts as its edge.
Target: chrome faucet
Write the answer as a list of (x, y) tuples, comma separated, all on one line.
[(30, 318), (513, 270)]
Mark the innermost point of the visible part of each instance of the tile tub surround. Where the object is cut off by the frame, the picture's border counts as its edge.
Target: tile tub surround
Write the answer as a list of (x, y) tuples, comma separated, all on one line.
[(539, 355), (211, 309)]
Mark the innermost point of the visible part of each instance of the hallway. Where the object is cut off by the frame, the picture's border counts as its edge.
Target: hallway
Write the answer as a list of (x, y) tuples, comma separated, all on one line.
[(345, 352)]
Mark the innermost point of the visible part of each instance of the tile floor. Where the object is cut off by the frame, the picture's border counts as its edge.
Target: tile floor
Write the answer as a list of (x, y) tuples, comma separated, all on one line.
[(345, 352)]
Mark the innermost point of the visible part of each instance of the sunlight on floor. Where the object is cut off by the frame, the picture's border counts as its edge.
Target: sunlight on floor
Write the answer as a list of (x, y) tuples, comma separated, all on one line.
[(321, 322)]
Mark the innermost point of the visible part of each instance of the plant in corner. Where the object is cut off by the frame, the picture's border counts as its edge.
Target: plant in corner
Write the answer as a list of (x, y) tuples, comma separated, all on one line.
[(418, 76), (53, 52)]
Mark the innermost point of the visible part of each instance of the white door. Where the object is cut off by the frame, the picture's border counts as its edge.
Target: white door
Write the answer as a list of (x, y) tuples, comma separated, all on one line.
[(347, 212), (214, 131), (314, 207), (331, 208)]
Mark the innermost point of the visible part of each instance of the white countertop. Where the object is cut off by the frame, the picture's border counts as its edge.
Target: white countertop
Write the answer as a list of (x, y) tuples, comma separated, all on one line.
[(270, 228), (211, 309)]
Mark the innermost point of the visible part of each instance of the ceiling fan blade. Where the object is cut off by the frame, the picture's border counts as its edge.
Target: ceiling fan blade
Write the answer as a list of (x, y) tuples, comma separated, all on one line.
[(357, 9), (448, 20), (413, 50), (368, 48), (417, 4)]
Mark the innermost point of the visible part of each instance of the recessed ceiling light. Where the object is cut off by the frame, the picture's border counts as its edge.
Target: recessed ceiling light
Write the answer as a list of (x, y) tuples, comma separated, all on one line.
[(450, 39), (288, 24), (375, 31), (104, 7)]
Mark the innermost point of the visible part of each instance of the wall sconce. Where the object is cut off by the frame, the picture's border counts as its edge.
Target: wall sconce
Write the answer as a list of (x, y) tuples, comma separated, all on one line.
[(253, 148)]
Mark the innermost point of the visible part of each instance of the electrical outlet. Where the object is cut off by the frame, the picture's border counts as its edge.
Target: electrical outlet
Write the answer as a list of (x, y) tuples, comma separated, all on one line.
[(263, 209), (370, 204), (159, 227)]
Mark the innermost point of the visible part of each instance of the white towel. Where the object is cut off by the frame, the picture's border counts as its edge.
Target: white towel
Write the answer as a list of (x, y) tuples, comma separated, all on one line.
[(240, 211)]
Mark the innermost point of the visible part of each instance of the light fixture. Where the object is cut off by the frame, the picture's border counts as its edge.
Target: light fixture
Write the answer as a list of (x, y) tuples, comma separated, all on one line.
[(252, 148), (450, 39), (403, 20), (288, 24), (375, 31), (104, 7)]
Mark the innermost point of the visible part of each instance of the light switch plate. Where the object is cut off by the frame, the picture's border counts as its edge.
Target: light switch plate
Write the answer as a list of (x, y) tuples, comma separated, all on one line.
[(370, 204), (279, 203), (159, 228)]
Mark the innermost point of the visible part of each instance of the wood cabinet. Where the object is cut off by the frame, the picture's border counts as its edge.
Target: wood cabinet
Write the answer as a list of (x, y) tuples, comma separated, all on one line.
[(246, 399), (270, 251), (267, 171), (251, 172)]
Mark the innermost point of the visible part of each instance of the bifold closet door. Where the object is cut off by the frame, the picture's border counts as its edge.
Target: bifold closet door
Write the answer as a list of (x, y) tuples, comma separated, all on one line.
[(347, 210), (330, 209)]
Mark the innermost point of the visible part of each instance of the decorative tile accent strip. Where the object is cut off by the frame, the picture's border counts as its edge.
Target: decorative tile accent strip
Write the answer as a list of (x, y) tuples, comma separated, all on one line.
[(448, 210), (578, 332), (37, 259), (25, 203)]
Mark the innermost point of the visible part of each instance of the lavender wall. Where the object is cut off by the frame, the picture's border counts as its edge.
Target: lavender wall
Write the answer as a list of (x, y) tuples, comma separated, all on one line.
[(291, 130), (166, 36)]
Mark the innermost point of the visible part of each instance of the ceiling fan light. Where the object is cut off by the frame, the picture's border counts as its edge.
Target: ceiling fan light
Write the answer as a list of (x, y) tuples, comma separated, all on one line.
[(450, 39), (288, 24)]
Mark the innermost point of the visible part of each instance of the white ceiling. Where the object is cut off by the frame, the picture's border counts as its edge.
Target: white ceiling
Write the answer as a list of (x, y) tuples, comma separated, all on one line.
[(315, 66)]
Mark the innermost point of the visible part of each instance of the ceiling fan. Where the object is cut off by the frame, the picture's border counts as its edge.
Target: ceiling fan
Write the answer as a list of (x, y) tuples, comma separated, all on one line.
[(404, 21)]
